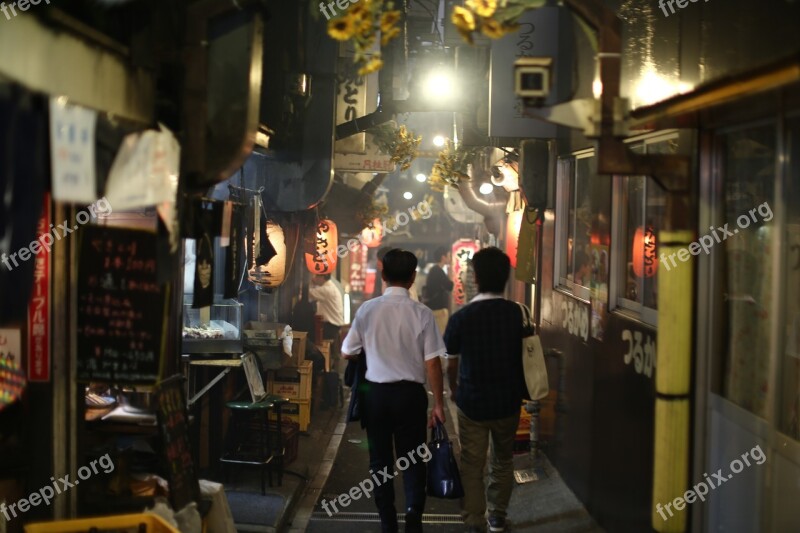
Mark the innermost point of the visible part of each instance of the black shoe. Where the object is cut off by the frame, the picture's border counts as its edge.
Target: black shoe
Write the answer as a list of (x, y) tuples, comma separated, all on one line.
[(496, 524), (413, 521)]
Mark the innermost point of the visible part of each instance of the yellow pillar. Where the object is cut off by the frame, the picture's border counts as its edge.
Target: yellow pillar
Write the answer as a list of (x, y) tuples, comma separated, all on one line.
[(673, 381)]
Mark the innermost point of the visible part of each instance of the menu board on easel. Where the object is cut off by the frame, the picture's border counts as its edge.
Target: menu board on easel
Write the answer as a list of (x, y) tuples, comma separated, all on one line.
[(121, 307), (176, 454)]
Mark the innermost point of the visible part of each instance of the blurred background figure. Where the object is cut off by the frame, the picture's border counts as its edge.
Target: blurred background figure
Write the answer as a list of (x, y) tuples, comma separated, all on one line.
[(330, 306), (436, 293)]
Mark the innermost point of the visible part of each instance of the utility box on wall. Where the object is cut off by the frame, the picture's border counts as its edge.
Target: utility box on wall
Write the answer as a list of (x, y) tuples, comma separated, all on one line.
[(544, 32)]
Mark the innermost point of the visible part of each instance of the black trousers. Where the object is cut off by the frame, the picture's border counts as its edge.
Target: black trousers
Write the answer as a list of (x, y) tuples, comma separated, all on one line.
[(396, 420)]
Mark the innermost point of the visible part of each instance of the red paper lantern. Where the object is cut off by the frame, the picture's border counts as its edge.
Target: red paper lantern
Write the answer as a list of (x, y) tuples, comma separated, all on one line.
[(326, 240), (645, 262), (372, 235), (512, 235)]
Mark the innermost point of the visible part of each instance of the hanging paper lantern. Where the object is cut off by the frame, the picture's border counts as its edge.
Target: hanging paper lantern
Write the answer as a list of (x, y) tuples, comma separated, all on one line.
[(372, 235), (272, 273), (326, 239), (512, 235), (645, 262)]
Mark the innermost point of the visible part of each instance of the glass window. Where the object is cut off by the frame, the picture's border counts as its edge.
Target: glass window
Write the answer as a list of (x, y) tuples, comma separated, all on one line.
[(574, 253), (748, 159), (641, 205), (790, 395)]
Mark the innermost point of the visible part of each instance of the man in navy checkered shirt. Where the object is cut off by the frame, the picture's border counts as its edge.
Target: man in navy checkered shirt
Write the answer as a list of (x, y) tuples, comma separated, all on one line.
[(484, 352)]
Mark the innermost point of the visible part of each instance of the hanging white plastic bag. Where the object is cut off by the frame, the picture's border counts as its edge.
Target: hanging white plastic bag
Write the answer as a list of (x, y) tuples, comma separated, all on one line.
[(145, 170), (287, 340)]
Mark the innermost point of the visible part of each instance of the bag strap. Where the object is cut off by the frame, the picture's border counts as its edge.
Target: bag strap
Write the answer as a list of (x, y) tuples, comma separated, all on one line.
[(439, 433), (527, 321)]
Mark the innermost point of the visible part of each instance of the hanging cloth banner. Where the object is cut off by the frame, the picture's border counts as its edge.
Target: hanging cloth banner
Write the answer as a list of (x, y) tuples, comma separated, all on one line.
[(233, 254), (526, 249), (207, 227)]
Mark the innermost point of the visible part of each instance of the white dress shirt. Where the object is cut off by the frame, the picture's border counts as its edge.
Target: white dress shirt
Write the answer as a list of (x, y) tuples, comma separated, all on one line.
[(329, 302), (398, 336)]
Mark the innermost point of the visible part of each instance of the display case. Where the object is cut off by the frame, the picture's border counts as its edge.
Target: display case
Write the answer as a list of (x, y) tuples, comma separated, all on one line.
[(214, 329)]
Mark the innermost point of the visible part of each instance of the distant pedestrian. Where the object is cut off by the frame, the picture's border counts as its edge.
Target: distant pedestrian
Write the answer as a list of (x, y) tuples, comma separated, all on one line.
[(436, 293), (330, 304), (402, 344), (484, 344)]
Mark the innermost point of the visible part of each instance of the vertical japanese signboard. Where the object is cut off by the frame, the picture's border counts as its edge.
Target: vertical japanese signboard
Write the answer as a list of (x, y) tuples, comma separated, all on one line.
[(358, 269), (39, 307), (351, 103), (173, 424), (121, 307), (463, 250)]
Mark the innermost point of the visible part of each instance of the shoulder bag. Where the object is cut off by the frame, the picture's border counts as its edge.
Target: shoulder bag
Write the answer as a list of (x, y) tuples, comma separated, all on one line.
[(533, 364)]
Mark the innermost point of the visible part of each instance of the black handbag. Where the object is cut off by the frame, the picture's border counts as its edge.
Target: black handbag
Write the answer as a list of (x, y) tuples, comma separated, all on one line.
[(444, 481)]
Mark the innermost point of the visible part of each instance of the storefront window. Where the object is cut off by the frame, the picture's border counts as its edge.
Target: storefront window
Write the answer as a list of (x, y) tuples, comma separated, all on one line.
[(790, 403), (642, 205), (748, 158), (575, 226)]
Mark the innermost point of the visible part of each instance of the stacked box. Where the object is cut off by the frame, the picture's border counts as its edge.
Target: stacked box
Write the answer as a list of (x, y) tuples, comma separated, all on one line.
[(292, 383)]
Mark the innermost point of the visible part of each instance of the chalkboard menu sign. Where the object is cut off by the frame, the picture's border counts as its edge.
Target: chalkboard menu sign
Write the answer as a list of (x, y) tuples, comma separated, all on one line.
[(121, 313), (176, 455)]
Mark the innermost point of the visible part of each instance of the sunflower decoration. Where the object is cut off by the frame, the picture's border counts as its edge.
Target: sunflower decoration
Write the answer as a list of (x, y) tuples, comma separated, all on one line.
[(493, 18), (362, 24), (451, 166), (398, 142)]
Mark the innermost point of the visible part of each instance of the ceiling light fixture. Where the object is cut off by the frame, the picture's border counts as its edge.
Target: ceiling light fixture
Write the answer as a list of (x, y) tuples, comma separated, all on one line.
[(407, 195), (422, 178)]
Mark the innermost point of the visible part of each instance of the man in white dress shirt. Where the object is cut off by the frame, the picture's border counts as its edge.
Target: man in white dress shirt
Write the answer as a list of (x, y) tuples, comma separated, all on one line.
[(402, 344)]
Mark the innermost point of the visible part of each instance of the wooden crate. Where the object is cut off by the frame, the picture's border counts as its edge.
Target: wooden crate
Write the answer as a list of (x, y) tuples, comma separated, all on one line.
[(298, 411), (292, 383)]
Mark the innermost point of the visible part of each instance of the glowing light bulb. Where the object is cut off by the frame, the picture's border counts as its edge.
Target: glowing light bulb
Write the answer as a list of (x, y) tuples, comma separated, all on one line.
[(407, 195)]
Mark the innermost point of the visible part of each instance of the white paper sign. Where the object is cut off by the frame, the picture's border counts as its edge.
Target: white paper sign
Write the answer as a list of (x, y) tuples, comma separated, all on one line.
[(72, 152)]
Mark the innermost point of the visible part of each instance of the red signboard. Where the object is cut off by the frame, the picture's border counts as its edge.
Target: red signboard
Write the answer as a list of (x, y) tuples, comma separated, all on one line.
[(39, 306), (358, 269)]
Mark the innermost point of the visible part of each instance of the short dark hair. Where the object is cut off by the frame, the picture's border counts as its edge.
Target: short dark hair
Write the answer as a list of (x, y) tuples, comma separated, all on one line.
[(492, 267), (382, 251), (440, 252), (399, 266)]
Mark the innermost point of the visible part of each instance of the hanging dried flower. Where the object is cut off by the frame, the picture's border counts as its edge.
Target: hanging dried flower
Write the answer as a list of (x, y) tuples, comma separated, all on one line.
[(492, 18), (451, 166), (397, 142), (361, 25)]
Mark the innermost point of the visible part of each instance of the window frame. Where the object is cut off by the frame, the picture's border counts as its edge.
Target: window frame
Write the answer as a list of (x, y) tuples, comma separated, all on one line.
[(617, 303), (566, 180)]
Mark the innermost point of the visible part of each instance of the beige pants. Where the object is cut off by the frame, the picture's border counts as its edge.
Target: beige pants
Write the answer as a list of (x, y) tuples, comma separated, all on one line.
[(475, 437), (441, 316)]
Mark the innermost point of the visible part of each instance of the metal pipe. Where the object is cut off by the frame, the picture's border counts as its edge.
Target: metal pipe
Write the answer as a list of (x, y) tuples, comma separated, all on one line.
[(489, 210)]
